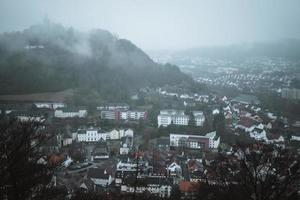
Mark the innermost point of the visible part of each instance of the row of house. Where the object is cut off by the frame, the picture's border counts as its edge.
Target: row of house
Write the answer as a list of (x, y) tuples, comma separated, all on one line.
[(95, 134), (67, 112), (50, 105), (178, 117)]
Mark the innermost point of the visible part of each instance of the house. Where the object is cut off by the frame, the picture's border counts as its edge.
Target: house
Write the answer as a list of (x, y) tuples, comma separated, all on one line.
[(189, 190), (124, 149), (196, 170), (163, 142), (42, 160), (215, 112), (99, 177), (100, 152), (275, 138), (87, 185), (174, 169), (127, 168), (24, 115), (131, 165), (258, 134), (126, 133), (114, 134), (118, 134), (123, 174)]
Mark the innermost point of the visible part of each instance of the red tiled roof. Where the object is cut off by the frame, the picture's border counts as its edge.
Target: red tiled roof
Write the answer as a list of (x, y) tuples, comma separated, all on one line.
[(246, 122), (187, 186)]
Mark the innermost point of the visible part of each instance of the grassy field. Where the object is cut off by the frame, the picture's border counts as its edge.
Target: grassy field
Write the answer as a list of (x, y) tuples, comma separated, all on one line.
[(47, 96)]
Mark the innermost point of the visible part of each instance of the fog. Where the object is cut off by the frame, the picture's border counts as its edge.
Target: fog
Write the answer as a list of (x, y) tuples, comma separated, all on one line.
[(168, 24)]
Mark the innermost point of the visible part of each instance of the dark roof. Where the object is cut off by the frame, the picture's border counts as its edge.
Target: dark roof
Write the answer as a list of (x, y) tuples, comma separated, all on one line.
[(97, 173), (26, 113), (258, 130), (159, 180), (163, 141), (197, 139), (71, 109), (89, 184), (125, 174), (81, 131), (147, 181), (100, 151)]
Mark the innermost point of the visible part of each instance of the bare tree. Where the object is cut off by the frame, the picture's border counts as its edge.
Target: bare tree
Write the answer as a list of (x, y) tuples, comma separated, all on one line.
[(260, 171), (21, 175)]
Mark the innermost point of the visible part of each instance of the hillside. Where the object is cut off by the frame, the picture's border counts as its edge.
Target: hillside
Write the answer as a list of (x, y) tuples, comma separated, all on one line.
[(49, 57)]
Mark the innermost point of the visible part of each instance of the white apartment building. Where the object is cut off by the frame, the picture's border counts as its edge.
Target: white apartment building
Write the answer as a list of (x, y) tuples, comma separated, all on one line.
[(208, 141), (199, 118), (70, 113), (133, 115), (182, 120), (177, 117)]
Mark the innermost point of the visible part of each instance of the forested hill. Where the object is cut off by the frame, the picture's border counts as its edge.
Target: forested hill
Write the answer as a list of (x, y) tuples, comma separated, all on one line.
[(49, 57)]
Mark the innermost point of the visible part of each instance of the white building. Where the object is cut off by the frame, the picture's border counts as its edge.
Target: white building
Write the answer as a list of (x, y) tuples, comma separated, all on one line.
[(295, 138), (91, 135), (124, 149), (25, 116), (257, 132), (208, 141), (99, 177), (199, 118), (70, 113), (157, 185), (174, 169), (94, 134), (177, 117), (52, 105), (133, 115), (114, 106)]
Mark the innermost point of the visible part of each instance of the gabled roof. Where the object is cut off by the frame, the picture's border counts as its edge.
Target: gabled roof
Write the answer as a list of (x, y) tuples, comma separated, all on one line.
[(87, 184)]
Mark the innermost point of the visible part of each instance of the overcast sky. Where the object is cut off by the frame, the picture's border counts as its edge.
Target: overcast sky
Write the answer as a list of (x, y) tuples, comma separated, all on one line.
[(164, 24)]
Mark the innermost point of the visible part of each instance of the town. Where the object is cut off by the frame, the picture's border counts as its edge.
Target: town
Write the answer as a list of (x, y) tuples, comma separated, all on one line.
[(149, 100), (160, 149)]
